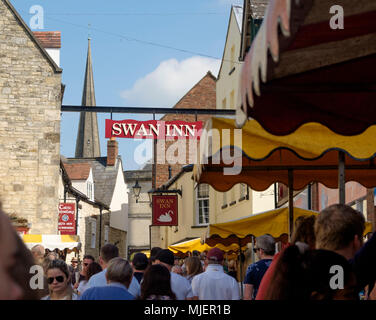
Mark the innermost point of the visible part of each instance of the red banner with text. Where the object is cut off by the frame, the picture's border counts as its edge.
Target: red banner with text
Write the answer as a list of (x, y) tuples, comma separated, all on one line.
[(153, 129), (165, 210), (67, 218)]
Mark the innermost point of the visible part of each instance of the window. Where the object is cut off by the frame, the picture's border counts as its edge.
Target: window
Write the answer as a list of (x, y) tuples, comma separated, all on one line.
[(203, 204), (89, 189), (243, 190), (224, 200), (93, 233), (106, 234)]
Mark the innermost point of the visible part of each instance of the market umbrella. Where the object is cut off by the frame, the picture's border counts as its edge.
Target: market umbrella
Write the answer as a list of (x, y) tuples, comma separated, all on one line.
[(195, 244), (241, 231), (299, 69), (259, 159)]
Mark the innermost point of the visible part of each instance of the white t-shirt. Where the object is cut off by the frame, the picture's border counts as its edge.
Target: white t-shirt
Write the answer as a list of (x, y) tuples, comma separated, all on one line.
[(215, 284), (181, 287)]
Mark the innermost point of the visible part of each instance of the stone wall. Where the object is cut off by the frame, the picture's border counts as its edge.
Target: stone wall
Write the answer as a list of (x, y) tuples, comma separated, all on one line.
[(30, 101)]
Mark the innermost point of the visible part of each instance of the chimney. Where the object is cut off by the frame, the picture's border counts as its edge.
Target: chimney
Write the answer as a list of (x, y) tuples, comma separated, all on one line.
[(112, 151)]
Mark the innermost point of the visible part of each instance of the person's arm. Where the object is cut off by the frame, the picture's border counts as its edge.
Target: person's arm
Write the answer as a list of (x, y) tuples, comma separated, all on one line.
[(248, 291)]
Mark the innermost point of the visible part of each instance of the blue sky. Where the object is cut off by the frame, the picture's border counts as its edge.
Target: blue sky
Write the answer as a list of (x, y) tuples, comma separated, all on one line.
[(127, 70)]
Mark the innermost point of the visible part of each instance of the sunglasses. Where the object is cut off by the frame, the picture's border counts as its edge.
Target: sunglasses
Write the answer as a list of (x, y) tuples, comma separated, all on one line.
[(58, 279), (86, 264)]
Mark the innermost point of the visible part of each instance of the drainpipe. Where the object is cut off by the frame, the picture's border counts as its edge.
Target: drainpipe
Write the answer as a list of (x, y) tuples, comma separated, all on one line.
[(77, 201), (100, 228)]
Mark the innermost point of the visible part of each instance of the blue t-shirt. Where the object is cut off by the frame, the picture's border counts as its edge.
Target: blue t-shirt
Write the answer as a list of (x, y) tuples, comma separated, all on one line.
[(112, 291), (255, 273)]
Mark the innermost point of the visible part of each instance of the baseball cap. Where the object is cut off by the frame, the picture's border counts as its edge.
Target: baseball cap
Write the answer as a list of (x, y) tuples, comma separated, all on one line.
[(166, 256), (215, 254)]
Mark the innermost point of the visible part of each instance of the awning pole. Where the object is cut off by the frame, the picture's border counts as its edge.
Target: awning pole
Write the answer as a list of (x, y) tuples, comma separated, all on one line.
[(341, 177), (291, 201), (241, 271)]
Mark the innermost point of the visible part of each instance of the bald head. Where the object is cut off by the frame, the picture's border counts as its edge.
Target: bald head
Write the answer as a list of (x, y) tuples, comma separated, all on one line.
[(38, 253)]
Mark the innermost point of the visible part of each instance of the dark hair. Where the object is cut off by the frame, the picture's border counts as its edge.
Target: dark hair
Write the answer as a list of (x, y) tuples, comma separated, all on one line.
[(307, 276), (156, 281), (92, 269), (88, 256), (140, 261), (337, 225), (109, 251), (153, 253)]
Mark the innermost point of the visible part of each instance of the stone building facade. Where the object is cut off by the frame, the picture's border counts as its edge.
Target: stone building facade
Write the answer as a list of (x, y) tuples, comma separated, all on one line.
[(30, 103)]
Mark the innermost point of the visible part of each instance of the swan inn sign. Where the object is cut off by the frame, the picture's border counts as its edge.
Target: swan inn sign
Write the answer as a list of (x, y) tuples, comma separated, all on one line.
[(165, 210), (153, 129)]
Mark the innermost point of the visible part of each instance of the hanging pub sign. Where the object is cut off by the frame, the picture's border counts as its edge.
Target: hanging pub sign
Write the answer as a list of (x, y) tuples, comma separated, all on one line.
[(165, 210), (153, 129), (67, 219)]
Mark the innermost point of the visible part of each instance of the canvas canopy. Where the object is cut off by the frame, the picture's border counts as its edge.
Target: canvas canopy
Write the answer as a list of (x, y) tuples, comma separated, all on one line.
[(274, 222), (299, 70), (195, 244), (52, 242), (311, 153)]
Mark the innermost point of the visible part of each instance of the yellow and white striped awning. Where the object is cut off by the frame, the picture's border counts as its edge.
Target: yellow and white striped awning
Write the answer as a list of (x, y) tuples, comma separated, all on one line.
[(52, 241)]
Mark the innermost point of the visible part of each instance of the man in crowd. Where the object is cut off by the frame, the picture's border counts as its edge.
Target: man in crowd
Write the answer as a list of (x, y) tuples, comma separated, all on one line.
[(265, 250), (179, 285), (340, 228), (118, 277), (139, 263), (108, 252), (214, 283), (38, 253)]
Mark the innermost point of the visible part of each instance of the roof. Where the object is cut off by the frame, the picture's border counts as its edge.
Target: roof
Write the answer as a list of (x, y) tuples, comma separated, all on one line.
[(141, 175), (78, 171), (49, 39), (184, 169), (258, 8), (104, 176), (32, 36)]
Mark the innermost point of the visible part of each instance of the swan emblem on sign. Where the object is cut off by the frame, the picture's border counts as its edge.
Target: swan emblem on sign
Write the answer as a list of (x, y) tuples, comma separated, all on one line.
[(166, 217)]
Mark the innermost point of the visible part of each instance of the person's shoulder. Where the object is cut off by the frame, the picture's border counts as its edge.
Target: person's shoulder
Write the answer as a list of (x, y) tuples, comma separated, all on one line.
[(88, 293)]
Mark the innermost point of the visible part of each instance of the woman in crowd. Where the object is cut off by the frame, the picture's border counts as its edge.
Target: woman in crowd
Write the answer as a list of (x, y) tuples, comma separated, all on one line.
[(305, 274), (92, 269), (58, 278), (193, 267), (156, 284)]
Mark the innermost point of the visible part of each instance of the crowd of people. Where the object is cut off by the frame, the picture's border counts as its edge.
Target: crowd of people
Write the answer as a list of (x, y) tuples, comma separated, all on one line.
[(326, 259)]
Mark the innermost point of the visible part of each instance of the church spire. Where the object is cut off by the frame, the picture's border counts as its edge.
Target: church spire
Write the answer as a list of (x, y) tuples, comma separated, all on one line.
[(87, 144)]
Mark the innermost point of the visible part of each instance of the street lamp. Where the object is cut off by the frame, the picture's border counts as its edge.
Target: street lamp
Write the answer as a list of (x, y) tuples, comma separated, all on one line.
[(136, 191)]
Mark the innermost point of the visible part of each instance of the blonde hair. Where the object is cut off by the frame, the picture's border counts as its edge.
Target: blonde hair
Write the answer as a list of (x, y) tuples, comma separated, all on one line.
[(119, 270)]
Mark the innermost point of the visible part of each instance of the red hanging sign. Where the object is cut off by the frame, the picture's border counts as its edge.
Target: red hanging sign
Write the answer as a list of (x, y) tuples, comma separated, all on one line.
[(67, 218), (153, 129), (165, 210)]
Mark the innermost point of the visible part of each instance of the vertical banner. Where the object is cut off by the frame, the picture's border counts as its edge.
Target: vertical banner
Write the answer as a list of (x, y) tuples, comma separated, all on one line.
[(165, 210), (67, 218)]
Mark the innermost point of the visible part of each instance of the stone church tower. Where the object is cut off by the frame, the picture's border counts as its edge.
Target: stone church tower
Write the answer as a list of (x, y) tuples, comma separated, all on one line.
[(87, 144)]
